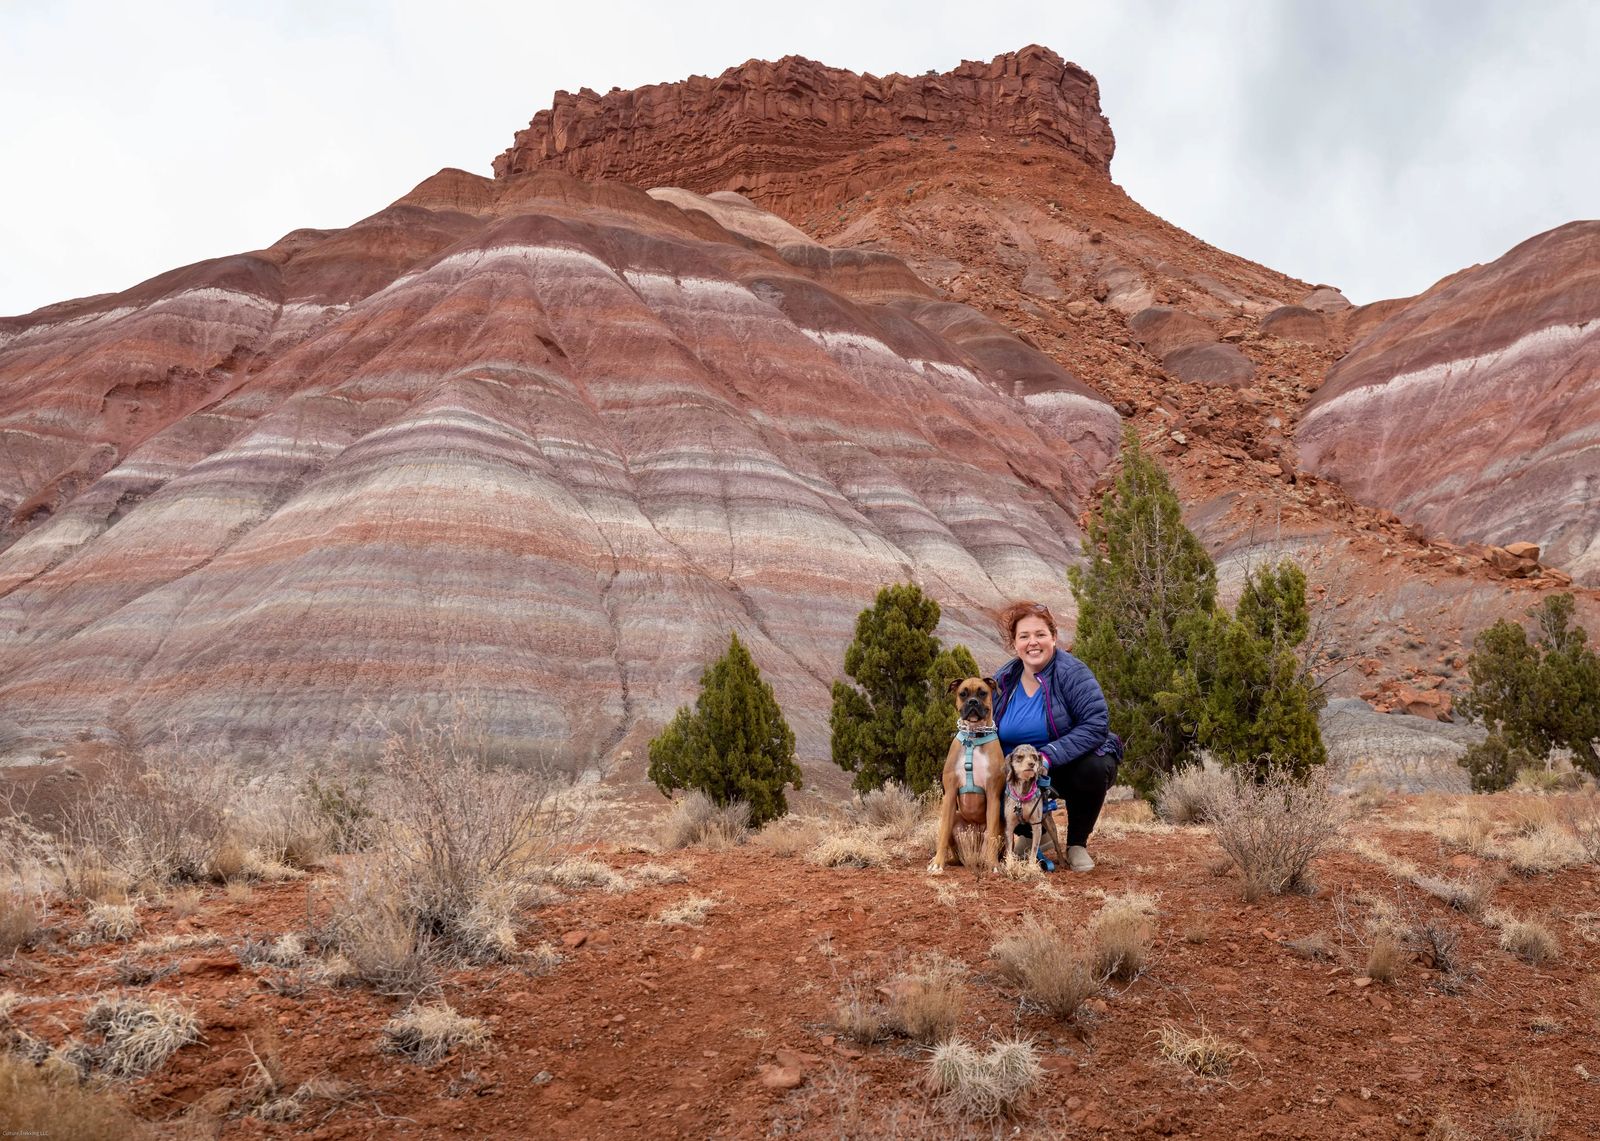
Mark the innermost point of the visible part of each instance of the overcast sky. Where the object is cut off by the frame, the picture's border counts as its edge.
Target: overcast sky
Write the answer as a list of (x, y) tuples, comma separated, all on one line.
[(1376, 146)]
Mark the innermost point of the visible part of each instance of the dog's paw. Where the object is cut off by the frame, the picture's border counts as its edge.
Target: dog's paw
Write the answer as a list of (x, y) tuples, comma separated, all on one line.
[(935, 868)]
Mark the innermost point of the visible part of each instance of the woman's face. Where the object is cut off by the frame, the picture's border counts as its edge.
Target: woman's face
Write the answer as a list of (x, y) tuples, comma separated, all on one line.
[(1033, 642)]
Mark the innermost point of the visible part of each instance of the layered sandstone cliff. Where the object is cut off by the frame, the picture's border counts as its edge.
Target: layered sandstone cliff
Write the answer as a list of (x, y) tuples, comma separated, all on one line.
[(535, 440), (1472, 410)]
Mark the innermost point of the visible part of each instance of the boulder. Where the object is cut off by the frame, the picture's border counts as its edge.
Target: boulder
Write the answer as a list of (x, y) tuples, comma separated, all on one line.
[(1296, 323), (1210, 364), (1326, 299), (1163, 330)]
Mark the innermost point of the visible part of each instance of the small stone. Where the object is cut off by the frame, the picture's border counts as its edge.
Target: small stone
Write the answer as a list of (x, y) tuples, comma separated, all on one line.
[(1363, 981), (780, 1077), (575, 939)]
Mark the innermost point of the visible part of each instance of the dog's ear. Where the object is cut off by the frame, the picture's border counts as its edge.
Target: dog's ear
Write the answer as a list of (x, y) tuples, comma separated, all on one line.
[(993, 686), (955, 684)]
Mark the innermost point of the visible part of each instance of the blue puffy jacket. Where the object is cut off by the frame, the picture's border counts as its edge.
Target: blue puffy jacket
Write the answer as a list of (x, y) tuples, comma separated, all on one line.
[(1074, 708)]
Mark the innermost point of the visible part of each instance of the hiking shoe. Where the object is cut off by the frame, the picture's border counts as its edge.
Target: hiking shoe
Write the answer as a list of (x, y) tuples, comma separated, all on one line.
[(1078, 859)]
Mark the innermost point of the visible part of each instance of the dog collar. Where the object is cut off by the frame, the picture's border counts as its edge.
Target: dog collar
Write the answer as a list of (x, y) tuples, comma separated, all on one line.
[(1033, 791)]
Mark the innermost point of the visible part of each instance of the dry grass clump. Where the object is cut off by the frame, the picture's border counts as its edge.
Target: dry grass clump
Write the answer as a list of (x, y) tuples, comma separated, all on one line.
[(1315, 946), (1202, 1053), (1469, 895), (894, 808), (1040, 957), (698, 822), (1469, 827), (1120, 935), (287, 950), (425, 1033), (51, 1101), (1274, 828), (1546, 848), (691, 911), (1529, 940), (21, 915), (985, 1086), (1534, 1108), (577, 872), (110, 923), (856, 848), (140, 1036), (790, 836), (1184, 796), (924, 1002), (1384, 955), (658, 874), (858, 1015)]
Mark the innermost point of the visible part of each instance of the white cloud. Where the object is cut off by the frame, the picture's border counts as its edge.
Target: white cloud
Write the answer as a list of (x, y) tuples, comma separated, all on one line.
[(1373, 145)]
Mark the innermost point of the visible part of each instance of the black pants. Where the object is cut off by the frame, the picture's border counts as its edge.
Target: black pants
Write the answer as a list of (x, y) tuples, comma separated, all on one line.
[(1081, 786)]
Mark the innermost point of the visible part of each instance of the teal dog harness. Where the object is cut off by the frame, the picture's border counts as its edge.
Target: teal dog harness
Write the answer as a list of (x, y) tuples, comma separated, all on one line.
[(970, 740)]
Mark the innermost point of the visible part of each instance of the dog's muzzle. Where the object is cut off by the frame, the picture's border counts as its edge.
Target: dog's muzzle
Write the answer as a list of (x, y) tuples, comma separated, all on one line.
[(973, 709)]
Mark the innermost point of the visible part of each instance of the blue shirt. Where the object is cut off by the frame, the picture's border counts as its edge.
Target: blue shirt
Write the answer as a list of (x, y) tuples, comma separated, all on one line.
[(1022, 721)]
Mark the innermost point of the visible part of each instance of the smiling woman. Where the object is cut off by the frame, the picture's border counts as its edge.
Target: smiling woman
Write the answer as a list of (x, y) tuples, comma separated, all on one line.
[(1049, 699)]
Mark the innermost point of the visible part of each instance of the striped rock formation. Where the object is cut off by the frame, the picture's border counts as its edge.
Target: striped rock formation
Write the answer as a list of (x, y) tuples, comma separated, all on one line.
[(1474, 410), (535, 441)]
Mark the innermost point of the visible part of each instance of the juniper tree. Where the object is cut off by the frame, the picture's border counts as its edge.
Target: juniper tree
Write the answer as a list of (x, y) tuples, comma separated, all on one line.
[(894, 724), (734, 744), (1533, 696), (1244, 692), (1146, 580)]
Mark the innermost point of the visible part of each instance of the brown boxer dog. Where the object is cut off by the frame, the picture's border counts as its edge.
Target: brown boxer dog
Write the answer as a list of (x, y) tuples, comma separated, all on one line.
[(974, 772)]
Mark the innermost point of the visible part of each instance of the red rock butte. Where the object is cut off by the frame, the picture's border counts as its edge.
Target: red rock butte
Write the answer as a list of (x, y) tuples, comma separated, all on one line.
[(758, 125)]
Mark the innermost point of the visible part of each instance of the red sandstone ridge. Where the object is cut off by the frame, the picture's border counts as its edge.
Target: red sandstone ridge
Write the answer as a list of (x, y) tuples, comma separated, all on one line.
[(1472, 411), (760, 120)]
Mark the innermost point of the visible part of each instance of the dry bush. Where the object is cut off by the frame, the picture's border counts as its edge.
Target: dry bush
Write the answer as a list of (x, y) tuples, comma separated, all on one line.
[(140, 1036), (1581, 815), (544, 957), (857, 848), (1534, 1108), (985, 1086), (1527, 939), (156, 816), (1039, 956), (577, 872), (691, 911), (378, 933), (790, 836), (1530, 814), (1385, 955), (184, 902), (1022, 870), (51, 1101), (1368, 798), (1202, 1053), (1120, 935), (454, 849), (425, 1033), (1273, 829), (1440, 947), (924, 1002), (281, 827), (696, 821), (1184, 796), (894, 808)]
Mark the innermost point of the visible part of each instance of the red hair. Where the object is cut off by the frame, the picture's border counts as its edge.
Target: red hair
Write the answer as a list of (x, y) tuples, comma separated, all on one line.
[(1017, 611)]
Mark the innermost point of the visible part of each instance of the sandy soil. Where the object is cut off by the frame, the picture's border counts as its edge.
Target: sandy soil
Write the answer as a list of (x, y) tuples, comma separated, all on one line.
[(646, 1030)]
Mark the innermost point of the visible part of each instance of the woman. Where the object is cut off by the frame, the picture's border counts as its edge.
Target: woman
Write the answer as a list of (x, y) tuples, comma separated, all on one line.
[(1049, 699)]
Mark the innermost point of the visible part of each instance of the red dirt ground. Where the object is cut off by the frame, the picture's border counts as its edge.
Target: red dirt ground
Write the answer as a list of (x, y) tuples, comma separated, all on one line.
[(647, 1031)]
